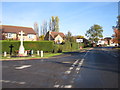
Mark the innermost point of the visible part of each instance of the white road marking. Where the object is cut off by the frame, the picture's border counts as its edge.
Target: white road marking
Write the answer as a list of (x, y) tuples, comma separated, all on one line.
[(68, 72), (73, 65), (62, 86), (8, 81), (77, 68), (56, 86), (85, 54), (22, 67), (80, 64), (75, 62), (21, 83), (71, 68), (68, 86), (115, 55), (5, 81)]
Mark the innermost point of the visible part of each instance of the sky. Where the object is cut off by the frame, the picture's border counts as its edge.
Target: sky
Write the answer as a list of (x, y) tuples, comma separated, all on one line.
[(76, 17)]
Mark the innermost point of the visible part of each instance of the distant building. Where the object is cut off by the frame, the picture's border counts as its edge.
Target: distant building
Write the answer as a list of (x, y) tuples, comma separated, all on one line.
[(106, 41), (57, 37), (101, 42), (12, 32)]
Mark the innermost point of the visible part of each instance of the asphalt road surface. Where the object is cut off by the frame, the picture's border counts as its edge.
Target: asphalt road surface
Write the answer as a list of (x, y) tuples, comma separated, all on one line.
[(95, 68)]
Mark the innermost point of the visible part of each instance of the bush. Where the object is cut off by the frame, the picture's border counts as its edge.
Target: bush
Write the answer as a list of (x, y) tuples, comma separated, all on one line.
[(68, 46), (28, 45)]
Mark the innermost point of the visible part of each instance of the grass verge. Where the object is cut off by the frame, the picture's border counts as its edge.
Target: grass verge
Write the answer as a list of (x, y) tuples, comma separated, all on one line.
[(46, 55)]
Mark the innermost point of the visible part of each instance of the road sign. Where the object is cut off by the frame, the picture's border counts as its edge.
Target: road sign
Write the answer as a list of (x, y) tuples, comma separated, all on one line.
[(79, 40)]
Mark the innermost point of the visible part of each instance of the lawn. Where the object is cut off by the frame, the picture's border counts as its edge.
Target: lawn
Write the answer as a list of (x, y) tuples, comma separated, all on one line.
[(46, 55)]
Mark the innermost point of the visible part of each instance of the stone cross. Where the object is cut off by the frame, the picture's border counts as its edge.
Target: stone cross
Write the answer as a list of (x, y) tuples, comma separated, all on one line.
[(11, 46), (21, 37), (21, 48)]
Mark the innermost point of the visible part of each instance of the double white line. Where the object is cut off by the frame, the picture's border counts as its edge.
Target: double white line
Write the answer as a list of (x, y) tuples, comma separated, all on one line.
[(73, 65), (69, 71)]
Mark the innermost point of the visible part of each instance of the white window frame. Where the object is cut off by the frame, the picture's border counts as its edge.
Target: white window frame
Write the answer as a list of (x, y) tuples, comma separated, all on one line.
[(31, 36), (10, 35)]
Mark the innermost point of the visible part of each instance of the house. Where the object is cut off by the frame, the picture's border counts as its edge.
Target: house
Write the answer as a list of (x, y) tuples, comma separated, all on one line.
[(101, 42), (106, 41), (57, 37), (13, 32)]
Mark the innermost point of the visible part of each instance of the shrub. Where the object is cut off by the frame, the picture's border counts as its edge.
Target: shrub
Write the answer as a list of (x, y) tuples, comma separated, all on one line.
[(68, 46)]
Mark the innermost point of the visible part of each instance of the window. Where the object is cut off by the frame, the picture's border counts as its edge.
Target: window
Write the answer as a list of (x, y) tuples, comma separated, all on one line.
[(58, 38), (9, 35), (30, 35)]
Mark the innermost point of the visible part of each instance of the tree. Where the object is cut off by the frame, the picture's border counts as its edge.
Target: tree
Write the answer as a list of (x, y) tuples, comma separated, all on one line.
[(54, 24), (94, 33), (36, 28), (44, 28), (118, 23), (42, 37), (68, 36), (79, 36), (116, 28), (50, 25)]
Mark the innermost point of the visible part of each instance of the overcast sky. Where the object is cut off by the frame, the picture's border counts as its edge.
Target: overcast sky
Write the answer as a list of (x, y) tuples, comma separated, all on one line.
[(76, 17)]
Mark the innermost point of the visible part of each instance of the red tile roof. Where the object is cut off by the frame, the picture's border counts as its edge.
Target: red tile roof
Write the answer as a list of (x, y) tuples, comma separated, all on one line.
[(54, 34), (16, 29)]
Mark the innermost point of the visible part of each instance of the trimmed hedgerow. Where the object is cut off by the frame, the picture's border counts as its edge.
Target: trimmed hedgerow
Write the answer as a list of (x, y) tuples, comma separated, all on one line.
[(68, 46), (28, 45)]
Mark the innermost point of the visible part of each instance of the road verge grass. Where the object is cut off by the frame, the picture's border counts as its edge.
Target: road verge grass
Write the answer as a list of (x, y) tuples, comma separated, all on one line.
[(46, 55), (34, 56)]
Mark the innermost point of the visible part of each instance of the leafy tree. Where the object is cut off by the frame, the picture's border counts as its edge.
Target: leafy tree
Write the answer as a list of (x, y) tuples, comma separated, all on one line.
[(54, 24), (94, 33), (116, 28), (69, 36), (118, 23), (79, 36), (42, 37)]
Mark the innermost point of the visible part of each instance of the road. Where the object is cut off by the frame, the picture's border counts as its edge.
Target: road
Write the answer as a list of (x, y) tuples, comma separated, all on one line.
[(95, 68)]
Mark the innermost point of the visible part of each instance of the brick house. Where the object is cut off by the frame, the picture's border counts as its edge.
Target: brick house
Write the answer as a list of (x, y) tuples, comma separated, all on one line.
[(12, 32), (57, 37)]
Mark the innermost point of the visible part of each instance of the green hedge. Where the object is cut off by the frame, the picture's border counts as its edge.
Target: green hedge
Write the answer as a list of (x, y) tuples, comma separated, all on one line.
[(68, 46), (28, 45), (47, 46)]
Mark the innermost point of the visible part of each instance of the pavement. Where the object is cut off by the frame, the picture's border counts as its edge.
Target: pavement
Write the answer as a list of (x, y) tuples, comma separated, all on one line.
[(95, 68)]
